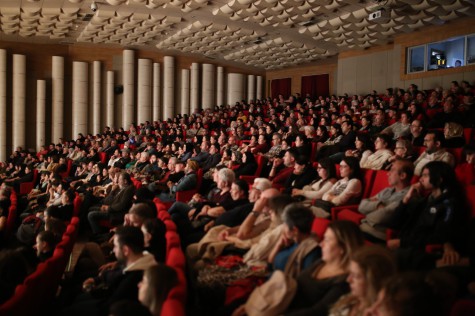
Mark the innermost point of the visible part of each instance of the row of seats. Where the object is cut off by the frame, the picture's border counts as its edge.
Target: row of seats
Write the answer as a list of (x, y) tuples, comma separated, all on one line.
[(39, 289), (175, 258)]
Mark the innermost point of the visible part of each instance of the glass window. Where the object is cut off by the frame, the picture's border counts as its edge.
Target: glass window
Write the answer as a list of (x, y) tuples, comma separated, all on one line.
[(446, 54), (471, 49), (416, 59)]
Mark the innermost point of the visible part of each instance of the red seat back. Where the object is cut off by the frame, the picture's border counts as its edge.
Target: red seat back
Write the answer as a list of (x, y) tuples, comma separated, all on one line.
[(319, 226), (380, 182)]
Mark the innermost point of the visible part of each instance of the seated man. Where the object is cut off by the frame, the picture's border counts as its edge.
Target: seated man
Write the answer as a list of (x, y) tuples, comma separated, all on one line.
[(379, 209), (114, 208), (220, 237), (120, 283), (434, 152), (187, 182), (438, 218)]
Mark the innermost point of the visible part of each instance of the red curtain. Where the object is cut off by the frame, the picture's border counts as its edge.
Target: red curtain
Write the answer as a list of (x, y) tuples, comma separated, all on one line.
[(315, 86), (281, 86)]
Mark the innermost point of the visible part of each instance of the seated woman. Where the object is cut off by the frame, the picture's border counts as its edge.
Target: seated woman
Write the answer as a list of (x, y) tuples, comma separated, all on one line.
[(248, 166), (155, 242), (369, 269), (302, 143), (382, 153), (324, 282), (335, 138), (157, 281), (347, 190), (327, 172), (402, 150), (363, 144), (251, 145), (438, 218)]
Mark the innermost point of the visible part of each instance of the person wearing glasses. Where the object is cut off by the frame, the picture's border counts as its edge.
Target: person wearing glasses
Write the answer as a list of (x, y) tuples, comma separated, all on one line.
[(345, 191)]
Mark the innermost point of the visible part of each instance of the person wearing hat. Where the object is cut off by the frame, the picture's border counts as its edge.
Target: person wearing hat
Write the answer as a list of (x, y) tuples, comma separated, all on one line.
[(187, 182)]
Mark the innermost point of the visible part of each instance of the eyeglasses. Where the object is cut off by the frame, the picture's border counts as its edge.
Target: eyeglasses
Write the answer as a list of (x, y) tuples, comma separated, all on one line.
[(319, 168)]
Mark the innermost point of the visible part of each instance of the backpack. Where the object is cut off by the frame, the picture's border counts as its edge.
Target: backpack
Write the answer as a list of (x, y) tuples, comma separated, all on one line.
[(29, 229)]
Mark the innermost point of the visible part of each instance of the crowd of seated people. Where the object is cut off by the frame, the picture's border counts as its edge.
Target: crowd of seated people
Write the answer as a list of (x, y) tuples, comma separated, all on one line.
[(244, 184)]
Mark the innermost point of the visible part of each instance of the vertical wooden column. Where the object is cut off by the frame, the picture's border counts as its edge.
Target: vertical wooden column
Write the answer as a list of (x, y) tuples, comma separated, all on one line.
[(96, 98), (128, 73), (80, 98), (18, 104), (156, 104), (168, 87), (144, 93), (57, 107), (40, 113), (185, 91), (235, 88), (194, 87), (251, 88), (3, 105), (220, 86), (208, 87), (110, 99), (259, 86)]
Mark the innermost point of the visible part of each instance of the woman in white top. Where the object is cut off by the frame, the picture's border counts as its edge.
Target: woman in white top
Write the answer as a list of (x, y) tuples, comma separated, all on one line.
[(327, 173), (347, 190), (377, 159)]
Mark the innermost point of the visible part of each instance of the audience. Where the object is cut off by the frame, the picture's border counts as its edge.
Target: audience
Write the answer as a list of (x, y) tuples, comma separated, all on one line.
[(431, 211)]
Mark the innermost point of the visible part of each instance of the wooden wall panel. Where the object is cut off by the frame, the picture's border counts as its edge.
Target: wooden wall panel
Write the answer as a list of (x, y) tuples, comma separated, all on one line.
[(349, 77), (328, 66)]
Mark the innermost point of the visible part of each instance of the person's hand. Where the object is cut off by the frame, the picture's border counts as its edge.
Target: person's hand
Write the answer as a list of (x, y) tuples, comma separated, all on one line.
[(393, 243), (204, 211), (450, 256), (88, 285), (239, 311), (414, 191), (104, 208), (169, 184), (191, 212), (107, 266), (277, 162), (349, 153), (260, 204), (223, 235), (208, 226), (297, 192)]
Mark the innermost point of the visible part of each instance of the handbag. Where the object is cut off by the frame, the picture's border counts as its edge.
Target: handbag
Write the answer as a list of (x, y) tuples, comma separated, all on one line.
[(324, 205)]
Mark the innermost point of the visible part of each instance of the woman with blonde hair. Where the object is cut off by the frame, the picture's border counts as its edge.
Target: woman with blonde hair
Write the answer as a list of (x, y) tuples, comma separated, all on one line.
[(369, 269), (156, 283)]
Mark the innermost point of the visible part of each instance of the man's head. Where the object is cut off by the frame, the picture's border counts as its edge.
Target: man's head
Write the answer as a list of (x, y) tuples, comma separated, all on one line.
[(138, 213), (401, 173), (124, 179), (45, 242), (128, 243), (259, 185), (179, 165), (416, 128), (433, 141)]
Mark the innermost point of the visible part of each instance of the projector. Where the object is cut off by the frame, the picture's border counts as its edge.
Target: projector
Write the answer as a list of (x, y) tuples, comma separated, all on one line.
[(378, 14)]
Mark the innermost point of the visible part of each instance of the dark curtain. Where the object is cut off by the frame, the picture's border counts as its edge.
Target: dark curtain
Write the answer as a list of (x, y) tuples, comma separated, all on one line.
[(281, 86), (315, 86)]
